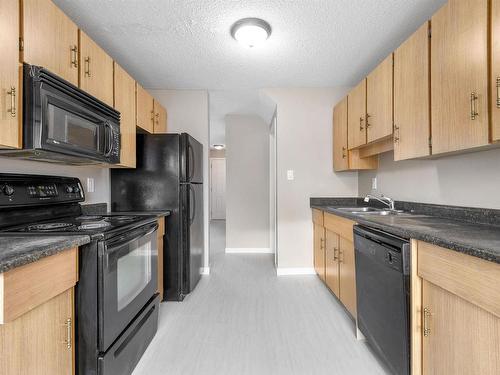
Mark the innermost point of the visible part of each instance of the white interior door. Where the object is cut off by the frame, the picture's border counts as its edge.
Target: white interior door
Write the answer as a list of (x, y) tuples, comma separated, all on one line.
[(218, 189)]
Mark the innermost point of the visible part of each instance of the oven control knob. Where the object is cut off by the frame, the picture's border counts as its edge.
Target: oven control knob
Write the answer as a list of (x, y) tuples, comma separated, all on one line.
[(69, 189), (8, 190), (76, 189)]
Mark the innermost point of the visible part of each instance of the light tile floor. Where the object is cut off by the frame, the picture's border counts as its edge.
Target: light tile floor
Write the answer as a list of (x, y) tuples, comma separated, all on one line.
[(243, 319)]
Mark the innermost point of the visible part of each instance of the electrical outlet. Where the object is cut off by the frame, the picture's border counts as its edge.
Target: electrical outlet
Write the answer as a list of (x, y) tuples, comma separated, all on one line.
[(374, 183), (90, 185), (289, 175)]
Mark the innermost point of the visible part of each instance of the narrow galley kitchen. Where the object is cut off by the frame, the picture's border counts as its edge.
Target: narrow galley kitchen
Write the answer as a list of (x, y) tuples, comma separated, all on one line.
[(256, 187)]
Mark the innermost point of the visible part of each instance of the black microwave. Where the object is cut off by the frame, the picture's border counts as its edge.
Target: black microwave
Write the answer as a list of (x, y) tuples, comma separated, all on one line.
[(62, 123)]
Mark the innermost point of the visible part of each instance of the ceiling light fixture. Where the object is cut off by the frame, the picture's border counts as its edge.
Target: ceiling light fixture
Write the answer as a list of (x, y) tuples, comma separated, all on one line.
[(219, 147), (251, 31)]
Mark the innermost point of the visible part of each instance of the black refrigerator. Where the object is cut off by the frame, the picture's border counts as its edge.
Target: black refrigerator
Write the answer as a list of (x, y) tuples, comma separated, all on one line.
[(168, 176)]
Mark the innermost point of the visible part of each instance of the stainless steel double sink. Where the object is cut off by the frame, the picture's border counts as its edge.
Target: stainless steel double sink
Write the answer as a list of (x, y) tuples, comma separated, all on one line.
[(370, 211)]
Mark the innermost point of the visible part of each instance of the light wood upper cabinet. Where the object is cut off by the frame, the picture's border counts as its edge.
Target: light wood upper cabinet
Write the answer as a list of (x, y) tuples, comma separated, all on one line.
[(357, 115), (10, 88), (124, 88), (319, 250), (41, 341), (412, 96), (160, 121), (332, 267), (50, 39), (96, 70), (459, 76), (343, 158), (145, 109), (379, 101), (340, 148), (495, 69)]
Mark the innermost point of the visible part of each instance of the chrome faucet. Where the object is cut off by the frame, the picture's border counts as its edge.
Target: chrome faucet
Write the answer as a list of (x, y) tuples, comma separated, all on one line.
[(389, 202)]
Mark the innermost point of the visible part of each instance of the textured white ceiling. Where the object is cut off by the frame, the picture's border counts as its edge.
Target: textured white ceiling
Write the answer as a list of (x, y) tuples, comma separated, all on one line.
[(185, 44)]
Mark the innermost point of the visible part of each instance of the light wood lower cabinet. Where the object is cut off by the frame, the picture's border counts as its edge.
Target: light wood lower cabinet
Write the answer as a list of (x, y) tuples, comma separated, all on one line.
[(334, 257), (10, 87), (41, 341), (96, 70), (460, 313), (50, 39), (495, 70)]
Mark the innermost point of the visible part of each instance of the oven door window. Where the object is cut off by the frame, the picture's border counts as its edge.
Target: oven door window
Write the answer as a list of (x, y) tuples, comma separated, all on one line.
[(133, 271), (68, 128)]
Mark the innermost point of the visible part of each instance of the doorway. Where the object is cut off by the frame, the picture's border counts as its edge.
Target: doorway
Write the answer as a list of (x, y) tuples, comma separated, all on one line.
[(217, 189)]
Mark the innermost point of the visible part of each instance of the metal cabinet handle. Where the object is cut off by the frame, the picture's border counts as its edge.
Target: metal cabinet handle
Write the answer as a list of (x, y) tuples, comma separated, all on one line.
[(498, 92), (69, 334), (152, 115), (473, 106), (361, 119), (341, 253), (12, 109), (157, 118), (87, 66), (74, 56), (335, 253), (427, 315), (396, 134), (344, 152), (367, 122), (321, 243)]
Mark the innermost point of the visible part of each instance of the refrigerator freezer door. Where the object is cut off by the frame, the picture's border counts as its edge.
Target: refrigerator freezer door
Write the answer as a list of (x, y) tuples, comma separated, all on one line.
[(191, 159)]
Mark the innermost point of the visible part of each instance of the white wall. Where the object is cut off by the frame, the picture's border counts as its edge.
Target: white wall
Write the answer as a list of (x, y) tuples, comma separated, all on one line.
[(99, 174), (247, 182), (464, 180), (304, 137), (187, 111)]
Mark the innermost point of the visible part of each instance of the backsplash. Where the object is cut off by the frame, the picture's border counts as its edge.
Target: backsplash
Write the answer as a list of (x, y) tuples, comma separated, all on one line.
[(99, 174), (470, 180)]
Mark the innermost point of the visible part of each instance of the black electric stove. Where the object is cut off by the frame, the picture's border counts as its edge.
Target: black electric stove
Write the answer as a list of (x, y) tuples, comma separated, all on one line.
[(116, 299)]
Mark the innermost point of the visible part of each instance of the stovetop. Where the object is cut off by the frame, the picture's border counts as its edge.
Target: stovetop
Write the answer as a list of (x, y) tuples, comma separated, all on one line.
[(83, 224)]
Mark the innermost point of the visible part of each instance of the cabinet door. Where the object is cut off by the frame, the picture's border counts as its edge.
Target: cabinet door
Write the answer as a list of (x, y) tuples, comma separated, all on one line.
[(463, 339), (356, 116), (125, 103), (340, 154), (331, 261), (319, 251), (145, 109), (50, 39), (459, 76), (412, 96), (347, 275), (495, 69), (10, 94), (41, 341), (96, 71), (379, 101), (160, 125)]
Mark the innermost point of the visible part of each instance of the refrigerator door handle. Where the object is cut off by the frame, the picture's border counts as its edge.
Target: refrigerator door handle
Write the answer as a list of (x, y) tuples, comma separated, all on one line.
[(190, 162), (193, 208)]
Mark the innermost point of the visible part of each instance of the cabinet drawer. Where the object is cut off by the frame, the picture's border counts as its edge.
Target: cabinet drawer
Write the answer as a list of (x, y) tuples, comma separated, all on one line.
[(339, 225), (317, 216), (470, 278), (26, 287)]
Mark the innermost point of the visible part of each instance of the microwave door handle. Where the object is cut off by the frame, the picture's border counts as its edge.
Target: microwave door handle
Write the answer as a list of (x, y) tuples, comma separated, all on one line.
[(109, 139)]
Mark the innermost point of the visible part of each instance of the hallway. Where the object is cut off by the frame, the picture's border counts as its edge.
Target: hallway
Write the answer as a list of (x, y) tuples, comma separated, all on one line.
[(244, 320)]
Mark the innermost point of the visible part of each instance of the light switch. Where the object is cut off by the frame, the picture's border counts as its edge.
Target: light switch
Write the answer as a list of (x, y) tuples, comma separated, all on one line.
[(374, 183), (90, 185), (289, 175)]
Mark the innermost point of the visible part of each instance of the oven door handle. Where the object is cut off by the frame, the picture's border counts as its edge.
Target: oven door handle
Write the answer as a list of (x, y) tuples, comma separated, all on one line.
[(112, 246)]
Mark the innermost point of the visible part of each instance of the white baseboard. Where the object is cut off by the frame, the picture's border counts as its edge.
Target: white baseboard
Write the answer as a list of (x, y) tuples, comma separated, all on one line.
[(205, 271), (248, 250), (287, 271)]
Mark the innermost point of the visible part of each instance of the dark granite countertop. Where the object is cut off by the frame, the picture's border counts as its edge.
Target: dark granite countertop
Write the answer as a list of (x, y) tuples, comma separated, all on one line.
[(17, 250), (477, 233)]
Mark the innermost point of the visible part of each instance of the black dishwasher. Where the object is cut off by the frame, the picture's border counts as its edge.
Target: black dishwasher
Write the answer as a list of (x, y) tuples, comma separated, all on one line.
[(383, 295)]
